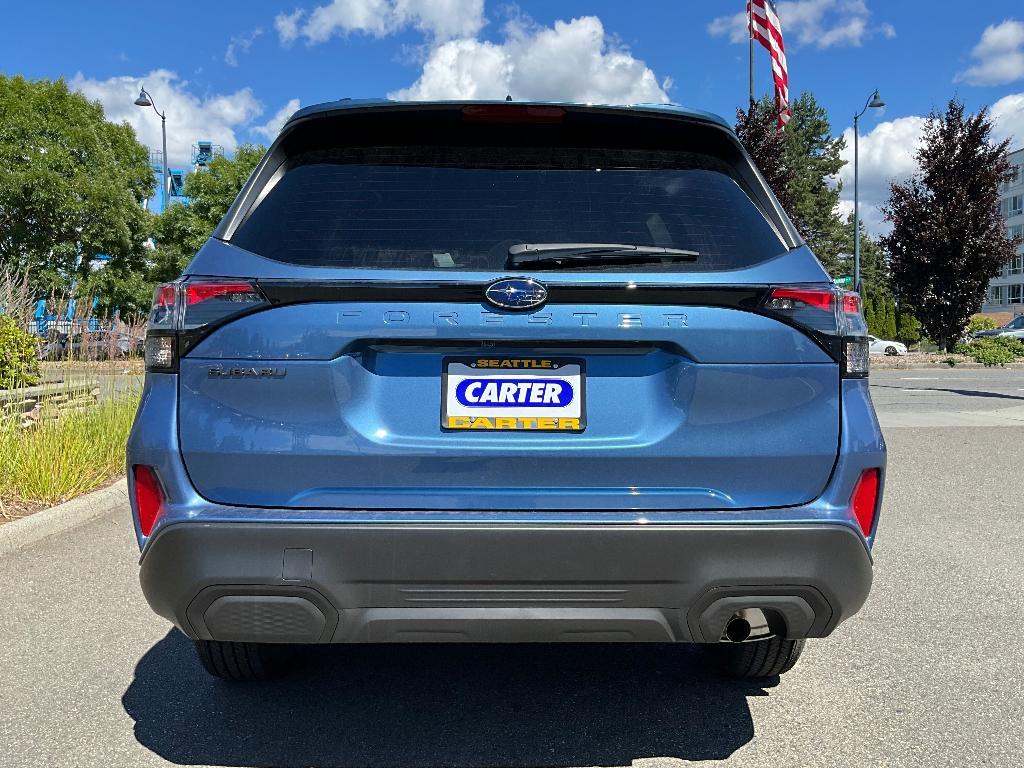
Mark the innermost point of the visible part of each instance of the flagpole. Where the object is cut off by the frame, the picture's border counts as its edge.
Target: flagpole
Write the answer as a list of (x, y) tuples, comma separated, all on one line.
[(750, 50)]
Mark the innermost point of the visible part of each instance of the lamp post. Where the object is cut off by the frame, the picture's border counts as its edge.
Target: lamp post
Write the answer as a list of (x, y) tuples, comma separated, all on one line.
[(146, 100), (874, 102)]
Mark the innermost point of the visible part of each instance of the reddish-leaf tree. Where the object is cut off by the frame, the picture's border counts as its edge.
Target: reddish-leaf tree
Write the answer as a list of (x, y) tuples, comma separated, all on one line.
[(758, 130), (948, 239)]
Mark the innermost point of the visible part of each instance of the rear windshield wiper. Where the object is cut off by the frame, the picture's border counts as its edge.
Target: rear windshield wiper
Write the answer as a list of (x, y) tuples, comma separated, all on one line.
[(576, 255)]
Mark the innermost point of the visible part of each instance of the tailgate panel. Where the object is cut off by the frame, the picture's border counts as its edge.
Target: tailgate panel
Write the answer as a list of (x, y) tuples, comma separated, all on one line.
[(726, 410)]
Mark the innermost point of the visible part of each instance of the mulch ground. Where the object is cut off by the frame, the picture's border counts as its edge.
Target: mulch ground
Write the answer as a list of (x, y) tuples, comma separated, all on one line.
[(13, 509), (935, 361)]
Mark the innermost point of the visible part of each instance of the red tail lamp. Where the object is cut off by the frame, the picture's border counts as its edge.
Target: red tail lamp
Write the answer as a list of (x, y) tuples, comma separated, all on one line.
[(864, 502), (149, 497)]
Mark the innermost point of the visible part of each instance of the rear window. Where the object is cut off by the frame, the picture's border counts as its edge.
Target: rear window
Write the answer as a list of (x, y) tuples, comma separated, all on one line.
[(452, 208)]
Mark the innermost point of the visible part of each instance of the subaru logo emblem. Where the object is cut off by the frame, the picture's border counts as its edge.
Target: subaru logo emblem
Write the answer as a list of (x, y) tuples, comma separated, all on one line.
[(516, 293)]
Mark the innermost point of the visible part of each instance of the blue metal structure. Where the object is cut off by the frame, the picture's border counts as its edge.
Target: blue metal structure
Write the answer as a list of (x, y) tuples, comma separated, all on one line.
[(203, 153)]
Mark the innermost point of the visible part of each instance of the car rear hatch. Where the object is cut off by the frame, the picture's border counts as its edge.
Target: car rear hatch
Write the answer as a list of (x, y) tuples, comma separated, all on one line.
[(344, 342)]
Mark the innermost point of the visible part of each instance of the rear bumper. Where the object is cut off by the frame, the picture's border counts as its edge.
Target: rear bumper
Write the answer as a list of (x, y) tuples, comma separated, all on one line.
[(340, 583)]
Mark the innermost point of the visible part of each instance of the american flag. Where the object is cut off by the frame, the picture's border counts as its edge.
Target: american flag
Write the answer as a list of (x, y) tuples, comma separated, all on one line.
[(766, 28)]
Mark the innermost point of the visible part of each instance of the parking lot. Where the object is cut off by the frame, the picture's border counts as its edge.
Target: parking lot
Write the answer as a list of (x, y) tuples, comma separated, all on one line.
[(931, 672)]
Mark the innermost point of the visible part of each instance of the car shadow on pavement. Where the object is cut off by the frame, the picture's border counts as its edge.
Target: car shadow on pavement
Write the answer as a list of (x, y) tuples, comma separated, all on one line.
[(444, 705), (963, 392)]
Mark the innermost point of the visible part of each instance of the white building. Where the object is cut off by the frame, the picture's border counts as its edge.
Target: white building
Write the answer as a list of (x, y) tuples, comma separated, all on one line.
[(1006, 290)]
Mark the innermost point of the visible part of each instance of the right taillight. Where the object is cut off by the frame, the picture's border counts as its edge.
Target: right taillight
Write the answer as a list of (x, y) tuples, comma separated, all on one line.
[(864, 501), (832, 316), (182, 310), (149, 497)]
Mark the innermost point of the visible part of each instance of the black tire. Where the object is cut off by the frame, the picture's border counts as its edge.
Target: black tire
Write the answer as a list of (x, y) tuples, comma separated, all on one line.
[(763, 658), (891, 351), (245, 662)]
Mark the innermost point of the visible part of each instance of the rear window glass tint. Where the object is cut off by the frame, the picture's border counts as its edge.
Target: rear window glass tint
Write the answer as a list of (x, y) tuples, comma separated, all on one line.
[(456, 208)]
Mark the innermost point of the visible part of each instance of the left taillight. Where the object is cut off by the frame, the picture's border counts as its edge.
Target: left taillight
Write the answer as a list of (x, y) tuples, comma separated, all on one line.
[(182, 310), (149, 497), (833, 316)]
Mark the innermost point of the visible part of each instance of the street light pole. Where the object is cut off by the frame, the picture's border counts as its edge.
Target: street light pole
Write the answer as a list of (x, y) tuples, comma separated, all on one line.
[(146, 100), (856, 205), (873, 102)]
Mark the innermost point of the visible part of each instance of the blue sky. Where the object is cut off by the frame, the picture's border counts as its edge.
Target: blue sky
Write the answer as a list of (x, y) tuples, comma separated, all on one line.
[(231, 71)]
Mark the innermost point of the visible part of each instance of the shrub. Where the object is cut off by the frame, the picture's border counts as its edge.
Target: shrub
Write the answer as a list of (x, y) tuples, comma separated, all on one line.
[(19, 364), (991, 354), (992, 350), (1011, 344), (981, 323)]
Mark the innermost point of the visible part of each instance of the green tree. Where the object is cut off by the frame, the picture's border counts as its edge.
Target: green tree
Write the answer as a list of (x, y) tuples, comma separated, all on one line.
[(117, 288), (800, 164), (812, 152), (182, 229), (948, 238), (908, 328), (758, 130), (869, 314), (71, 185), (874, 267), (889, 329), (876, 323)]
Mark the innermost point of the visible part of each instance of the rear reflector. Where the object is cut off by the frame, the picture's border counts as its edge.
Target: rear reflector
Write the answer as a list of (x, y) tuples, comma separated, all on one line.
[(864, 502), (149, 497)]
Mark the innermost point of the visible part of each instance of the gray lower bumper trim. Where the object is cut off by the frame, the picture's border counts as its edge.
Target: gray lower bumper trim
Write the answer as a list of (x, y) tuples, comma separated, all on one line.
[(284, 582)]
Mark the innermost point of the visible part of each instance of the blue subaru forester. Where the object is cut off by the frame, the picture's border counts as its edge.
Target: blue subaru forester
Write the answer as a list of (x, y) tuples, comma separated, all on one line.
[(505, 372)]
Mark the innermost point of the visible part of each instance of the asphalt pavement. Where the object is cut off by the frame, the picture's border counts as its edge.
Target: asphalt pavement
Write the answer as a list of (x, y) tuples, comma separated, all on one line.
[(930, 673)]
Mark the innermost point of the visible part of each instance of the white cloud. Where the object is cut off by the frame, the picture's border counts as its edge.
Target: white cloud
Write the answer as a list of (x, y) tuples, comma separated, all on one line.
[(886, 155), (439, 19), (735, 26), (572, 61), (1008, 119), (442, 19), (287, 25), (240, 44), (189, 118), (272, 127), (999, 55), (821, 23)]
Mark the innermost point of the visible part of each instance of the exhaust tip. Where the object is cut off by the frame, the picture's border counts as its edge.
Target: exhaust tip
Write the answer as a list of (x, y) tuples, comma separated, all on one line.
[(737, 629)]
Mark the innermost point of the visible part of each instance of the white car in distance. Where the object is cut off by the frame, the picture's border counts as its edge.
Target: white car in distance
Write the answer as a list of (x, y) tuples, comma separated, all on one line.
[(877, 346)]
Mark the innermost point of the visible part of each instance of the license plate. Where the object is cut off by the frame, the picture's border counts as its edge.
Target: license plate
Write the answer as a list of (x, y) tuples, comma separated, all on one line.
[(513, 394)]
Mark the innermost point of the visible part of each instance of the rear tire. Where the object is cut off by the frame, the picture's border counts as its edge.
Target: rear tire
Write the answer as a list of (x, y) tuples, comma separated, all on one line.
[(763, 658), (245, 662)]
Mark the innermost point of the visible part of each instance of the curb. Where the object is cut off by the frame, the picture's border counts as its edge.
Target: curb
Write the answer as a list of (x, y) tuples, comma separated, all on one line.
[(63, 517)]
